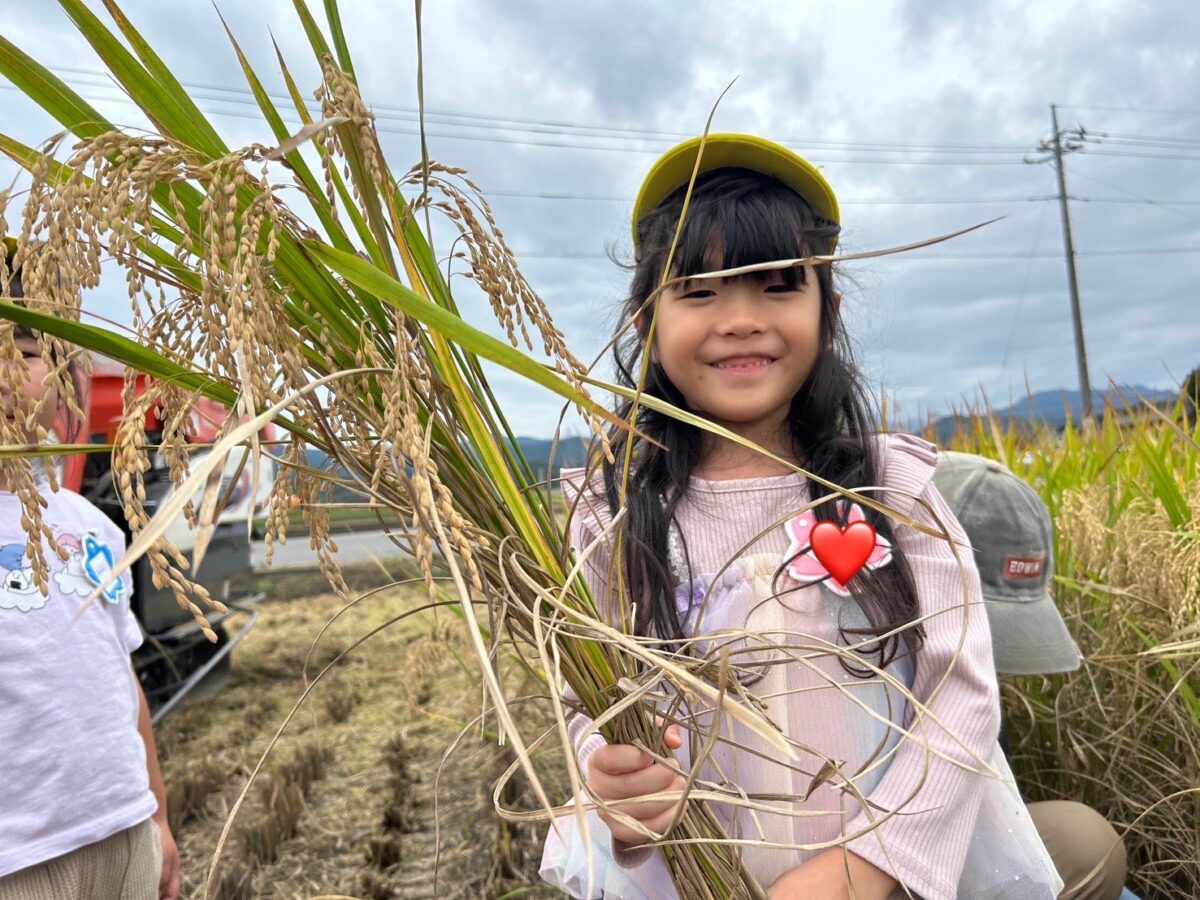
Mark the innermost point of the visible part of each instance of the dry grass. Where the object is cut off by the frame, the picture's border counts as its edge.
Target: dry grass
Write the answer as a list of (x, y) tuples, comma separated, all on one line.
[(346, 805), (1122, 733)]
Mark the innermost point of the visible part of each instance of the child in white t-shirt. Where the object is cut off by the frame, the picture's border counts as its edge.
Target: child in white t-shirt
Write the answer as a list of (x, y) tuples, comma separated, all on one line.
[(82, 806)]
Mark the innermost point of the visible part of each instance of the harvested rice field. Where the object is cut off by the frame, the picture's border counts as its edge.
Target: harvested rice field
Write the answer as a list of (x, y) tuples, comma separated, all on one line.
[(345, 805)]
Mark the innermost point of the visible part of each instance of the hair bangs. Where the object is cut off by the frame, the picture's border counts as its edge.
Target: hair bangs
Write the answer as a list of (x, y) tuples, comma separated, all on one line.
[(720, 236)]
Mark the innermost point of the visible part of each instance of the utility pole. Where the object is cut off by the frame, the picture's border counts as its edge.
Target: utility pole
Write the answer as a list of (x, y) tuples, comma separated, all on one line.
[(1056, 148)]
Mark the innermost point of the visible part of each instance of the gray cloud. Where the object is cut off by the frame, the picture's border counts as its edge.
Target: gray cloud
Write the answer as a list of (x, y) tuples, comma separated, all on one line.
[(931, 330)]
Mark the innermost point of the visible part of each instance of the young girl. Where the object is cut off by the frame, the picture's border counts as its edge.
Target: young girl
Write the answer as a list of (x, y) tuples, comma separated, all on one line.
[(910, 800), (82, 810)]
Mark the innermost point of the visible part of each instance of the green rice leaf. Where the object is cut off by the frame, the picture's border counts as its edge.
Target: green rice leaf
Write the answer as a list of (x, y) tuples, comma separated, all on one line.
[(295, 158), (339, 38), (312, 30), (361, 273), (119, 348), (155, 100), (50, 92), (1162, 481), (161, 73)]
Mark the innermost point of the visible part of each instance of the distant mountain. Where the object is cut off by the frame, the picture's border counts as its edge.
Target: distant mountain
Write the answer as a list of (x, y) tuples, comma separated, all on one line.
[(1050, 406), (1045, 406), (570, 452)]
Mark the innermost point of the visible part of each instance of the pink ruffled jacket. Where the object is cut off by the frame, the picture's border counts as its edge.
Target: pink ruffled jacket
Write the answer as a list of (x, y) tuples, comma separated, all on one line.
[(953, 824)]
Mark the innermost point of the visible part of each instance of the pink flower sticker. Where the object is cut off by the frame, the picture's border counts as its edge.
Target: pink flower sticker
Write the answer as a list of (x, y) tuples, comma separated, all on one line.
[(806, 568)]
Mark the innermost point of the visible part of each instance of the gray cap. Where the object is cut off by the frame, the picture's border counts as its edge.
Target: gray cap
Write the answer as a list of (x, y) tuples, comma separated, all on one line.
[(1009, 528)]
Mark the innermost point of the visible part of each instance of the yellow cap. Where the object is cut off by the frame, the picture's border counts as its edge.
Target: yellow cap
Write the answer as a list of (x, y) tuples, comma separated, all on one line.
[(745, 151)]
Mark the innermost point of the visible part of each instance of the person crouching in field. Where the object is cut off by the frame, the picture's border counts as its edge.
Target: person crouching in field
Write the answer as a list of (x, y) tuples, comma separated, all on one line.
[(83, 812)]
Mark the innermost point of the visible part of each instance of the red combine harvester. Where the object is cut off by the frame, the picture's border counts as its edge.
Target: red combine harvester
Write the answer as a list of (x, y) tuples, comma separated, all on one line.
[(176, 657)]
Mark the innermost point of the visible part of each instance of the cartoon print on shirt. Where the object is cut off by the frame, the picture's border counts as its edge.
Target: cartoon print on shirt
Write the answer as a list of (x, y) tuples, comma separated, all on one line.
[(88, 561), (17, 587), (97, 563), (71, 579)]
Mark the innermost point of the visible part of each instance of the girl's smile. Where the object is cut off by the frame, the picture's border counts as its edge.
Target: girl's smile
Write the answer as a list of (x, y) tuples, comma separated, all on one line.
[(743, 365)]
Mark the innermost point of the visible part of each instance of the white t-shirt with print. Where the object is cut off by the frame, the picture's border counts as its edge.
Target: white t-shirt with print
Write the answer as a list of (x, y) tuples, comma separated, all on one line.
[(72, 764)]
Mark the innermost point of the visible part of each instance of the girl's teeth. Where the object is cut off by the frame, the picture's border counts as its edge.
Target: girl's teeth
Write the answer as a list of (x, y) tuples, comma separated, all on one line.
[(742, 363)]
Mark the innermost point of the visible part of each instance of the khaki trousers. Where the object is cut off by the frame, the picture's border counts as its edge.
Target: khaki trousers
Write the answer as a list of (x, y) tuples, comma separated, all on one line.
[(123, 866), (1080, 840)]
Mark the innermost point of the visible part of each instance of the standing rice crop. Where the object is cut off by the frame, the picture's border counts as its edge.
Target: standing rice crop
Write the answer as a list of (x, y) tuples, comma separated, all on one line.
[(1122, 733)]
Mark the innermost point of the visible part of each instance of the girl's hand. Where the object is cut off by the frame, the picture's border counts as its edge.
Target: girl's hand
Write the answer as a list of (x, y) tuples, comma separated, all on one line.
[(825, 876), (620, 771)]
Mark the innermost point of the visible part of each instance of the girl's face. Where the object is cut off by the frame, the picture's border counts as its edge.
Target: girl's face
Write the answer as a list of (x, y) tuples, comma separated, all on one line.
[(35, 390), (739, 352)]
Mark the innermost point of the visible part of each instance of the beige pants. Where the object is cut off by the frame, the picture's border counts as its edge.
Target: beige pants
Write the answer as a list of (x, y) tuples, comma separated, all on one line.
[(1079, 840), (123, 866)]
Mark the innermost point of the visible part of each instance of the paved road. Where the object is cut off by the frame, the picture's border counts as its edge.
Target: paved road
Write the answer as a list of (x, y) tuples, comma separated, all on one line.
[(353, 547)]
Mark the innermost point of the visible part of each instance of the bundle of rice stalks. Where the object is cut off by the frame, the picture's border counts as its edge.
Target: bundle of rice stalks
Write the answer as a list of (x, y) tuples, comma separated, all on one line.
[(340, 326)]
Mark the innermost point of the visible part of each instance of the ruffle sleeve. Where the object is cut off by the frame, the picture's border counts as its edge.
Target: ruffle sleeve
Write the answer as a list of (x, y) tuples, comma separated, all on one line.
[(939, 778)]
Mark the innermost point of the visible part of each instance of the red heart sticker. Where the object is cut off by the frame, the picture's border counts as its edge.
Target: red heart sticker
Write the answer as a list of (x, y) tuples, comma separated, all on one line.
[(843, 552)]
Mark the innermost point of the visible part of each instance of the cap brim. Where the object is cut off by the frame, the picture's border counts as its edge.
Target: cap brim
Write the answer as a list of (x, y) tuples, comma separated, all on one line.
[(1030, 637), (744, 151)]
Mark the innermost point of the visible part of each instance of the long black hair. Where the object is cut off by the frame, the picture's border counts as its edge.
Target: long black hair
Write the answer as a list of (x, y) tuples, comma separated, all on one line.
[(743, 218)]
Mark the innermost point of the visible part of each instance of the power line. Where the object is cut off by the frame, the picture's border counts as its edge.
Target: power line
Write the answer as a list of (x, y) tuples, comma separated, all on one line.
[(1146, 200), (1138, 109), (388, 113), (1141, 155), (621, 199), (935, 201), (1138, 251), (846, 202), (1117, 137), (1145, 251), (1012, 332), (1183, 146), (918, 256), (567, 145), (866, 201), (411, 110), (1140, 142), (561, 126), (562, 129), (1139, 197)]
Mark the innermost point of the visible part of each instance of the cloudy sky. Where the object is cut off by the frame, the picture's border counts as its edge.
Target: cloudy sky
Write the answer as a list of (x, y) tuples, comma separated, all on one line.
[(922, 114)]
